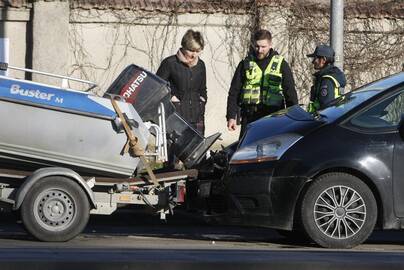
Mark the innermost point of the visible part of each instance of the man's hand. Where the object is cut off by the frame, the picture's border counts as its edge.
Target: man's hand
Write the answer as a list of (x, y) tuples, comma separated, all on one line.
[(231, 124)]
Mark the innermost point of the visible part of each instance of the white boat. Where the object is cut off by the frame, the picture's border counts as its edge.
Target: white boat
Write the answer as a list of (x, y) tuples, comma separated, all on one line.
[(44, 125)]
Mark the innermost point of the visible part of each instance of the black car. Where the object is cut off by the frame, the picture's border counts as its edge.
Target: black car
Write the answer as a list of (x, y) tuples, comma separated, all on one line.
[(334, 175)]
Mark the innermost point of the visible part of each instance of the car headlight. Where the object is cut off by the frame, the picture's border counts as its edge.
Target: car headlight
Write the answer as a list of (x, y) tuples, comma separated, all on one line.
[(267, 149)]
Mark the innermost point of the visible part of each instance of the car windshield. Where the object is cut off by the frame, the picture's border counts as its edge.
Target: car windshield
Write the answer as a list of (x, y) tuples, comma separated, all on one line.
[(347, 102)]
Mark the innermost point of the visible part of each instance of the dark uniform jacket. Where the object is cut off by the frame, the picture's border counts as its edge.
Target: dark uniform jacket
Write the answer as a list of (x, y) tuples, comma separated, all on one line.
[(323, 89), (188, 84), (233, 100)]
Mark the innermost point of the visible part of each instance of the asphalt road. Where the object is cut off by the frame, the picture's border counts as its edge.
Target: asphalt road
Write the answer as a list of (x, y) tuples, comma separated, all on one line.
[(129, 240)]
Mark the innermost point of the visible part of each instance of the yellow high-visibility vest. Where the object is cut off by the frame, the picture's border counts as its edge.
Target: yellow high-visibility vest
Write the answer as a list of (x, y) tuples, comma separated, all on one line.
[(315, 104), (263, 87)]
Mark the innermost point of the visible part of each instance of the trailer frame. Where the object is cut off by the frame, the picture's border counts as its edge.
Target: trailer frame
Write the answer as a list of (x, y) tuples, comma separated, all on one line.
[(104, 196)]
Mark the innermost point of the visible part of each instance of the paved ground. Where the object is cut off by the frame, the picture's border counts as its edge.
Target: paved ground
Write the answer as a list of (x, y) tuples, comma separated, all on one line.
[(137, 241), (128, 229)]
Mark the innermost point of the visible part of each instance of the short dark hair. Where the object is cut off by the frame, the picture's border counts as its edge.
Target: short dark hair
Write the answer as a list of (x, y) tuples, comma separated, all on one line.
[(262, 34), (192, 40), (329, 60)]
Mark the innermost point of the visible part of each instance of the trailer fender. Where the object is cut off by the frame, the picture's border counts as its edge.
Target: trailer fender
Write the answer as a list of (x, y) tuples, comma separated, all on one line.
[(51, 171)]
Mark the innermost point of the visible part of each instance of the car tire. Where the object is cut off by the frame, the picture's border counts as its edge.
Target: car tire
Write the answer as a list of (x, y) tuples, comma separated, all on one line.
[(338, 211), (56, 209)]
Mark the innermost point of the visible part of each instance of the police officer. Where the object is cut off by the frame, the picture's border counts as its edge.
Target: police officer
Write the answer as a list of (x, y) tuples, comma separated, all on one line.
[(262, 84), (329, 80)]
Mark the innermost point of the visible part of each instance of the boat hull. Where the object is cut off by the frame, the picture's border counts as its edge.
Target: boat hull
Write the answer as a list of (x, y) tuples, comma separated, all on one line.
[(82, 134)]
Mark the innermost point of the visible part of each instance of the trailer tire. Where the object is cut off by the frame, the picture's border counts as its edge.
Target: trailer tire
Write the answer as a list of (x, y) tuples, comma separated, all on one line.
[(56, 209)]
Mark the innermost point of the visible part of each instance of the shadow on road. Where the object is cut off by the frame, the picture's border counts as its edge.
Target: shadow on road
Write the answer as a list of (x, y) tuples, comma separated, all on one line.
[(127, 223)]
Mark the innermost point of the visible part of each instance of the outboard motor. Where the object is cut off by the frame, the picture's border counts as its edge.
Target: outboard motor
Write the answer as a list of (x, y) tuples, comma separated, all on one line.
[(146, 91)]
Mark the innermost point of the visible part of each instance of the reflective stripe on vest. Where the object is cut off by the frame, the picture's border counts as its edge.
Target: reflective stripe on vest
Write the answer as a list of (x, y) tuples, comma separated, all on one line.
[(315, 105), (263, 88)]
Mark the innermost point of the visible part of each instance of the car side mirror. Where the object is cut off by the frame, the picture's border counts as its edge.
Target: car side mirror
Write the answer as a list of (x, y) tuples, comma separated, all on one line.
[(401, 127)]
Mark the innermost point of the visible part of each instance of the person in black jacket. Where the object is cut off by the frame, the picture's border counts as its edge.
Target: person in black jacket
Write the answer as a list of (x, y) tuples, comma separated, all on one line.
[(186, 73), (329, 80), (262, 84)]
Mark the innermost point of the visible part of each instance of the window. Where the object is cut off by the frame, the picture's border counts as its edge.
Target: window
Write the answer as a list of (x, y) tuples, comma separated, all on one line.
[(385, 114)]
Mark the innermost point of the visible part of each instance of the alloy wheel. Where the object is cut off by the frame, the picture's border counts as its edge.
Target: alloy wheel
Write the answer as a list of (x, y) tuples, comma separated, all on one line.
[(339, 212)]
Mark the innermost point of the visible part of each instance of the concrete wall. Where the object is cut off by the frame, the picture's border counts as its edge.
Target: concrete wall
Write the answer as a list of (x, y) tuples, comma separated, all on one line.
[(13, 26), (98, 44), (373, 45), (50, 32), (103, 43)]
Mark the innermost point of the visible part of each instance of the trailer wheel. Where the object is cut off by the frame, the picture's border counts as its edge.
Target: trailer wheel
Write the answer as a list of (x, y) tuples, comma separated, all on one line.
[(56, 209)]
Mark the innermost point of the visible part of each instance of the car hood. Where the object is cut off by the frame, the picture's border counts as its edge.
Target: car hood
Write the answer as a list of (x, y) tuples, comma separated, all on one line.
[(291, 120)]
